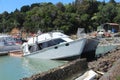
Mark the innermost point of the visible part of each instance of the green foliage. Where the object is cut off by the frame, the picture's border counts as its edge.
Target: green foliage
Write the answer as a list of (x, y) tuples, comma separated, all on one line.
[(60, 6), (112, 1), (86, 14), (25, 8), (118, 78)]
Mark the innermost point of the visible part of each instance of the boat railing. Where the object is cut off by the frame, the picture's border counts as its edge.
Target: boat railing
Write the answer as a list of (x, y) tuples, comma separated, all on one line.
[(2, 34)]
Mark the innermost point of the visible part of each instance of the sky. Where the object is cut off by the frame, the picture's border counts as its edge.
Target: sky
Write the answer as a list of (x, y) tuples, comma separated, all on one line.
[(11, 5)]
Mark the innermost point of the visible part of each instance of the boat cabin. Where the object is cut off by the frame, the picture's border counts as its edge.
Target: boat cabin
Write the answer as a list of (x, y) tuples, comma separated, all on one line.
[(46, 40), (42, 45)]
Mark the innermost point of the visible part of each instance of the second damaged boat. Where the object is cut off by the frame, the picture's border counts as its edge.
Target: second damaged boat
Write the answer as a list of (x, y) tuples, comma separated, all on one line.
[(91, 44), (90, 48), (8, 44), (53, 45)]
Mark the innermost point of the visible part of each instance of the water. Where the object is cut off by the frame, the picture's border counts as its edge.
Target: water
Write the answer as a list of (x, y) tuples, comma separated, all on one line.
[(14, 68)]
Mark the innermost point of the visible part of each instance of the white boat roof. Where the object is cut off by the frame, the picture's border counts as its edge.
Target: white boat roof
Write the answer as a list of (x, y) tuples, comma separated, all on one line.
[(4, 35), (47, 36)]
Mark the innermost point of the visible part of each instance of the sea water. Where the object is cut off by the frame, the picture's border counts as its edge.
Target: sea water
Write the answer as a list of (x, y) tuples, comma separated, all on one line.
[(15, 68)]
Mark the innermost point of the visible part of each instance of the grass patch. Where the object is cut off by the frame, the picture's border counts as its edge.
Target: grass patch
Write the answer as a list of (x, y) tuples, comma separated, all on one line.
[(118, 78)]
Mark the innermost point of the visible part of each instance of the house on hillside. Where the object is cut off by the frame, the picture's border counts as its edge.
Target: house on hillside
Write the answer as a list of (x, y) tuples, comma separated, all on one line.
[(109, 27), (106, 29)]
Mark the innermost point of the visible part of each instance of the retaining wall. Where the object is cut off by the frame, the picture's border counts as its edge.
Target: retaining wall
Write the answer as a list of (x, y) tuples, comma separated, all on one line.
[(62, 72)]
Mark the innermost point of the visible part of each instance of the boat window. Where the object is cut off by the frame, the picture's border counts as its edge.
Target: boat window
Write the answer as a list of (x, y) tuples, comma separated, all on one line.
[(9, 41), (33, 48), (57, 41), (45, 44), (51, 43)]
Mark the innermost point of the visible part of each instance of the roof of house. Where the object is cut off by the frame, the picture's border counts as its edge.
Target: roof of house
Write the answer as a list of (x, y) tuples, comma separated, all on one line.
[(113, 24)]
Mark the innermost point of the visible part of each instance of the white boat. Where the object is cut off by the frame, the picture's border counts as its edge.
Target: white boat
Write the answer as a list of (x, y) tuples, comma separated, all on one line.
[(53, 45), (8, 44)]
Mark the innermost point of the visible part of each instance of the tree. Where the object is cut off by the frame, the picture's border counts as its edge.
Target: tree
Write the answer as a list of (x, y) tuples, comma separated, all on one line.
[(117, 18), (112, 1), (25, 8), (106, 13), (60, 6), (47, 16), (35, 5), (69, 8)]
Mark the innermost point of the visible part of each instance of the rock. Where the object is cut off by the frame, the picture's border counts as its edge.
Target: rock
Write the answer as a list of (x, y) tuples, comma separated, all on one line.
[(105, 62)]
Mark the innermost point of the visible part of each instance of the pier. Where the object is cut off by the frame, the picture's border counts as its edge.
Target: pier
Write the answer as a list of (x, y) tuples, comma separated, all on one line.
[(16, 53)]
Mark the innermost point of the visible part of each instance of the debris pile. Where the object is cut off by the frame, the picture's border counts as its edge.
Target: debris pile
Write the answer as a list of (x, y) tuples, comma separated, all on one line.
[(103, 64)]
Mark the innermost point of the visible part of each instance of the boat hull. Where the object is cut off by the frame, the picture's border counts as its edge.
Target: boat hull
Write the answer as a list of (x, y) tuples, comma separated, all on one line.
[(6, 49), (90, 48), (61, 51)]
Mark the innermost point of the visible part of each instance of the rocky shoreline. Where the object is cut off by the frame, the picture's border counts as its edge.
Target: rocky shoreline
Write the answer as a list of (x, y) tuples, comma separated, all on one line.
[(105, 63)]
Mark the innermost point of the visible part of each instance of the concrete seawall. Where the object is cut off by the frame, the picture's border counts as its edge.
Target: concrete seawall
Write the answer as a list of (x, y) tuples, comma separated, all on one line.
[(62, 72)]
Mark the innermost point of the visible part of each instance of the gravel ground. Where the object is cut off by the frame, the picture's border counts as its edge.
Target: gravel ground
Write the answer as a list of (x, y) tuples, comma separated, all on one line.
[(104, 63)]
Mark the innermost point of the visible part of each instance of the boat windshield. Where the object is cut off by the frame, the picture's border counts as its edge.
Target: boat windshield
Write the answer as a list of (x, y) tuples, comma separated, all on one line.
[(52, 43)]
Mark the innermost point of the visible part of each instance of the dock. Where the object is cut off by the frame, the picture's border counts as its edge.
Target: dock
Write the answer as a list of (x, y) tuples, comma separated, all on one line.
[(16, 53)]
